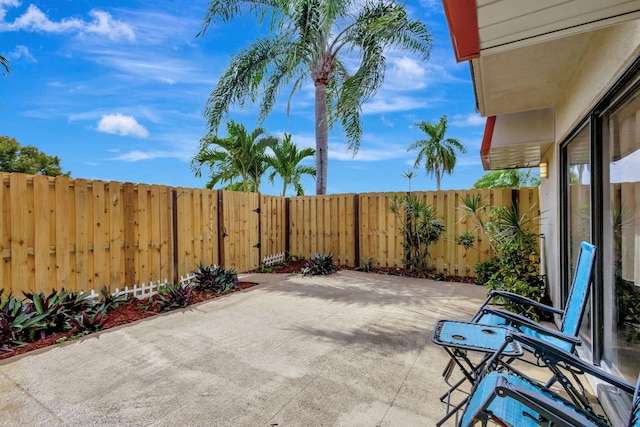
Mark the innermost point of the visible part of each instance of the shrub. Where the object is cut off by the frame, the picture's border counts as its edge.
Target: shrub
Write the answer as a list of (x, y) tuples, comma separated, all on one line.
[(321, 264), (17, 324), (214, 278), (366, 266), (174, 296), (110, 301), (419, 227), (516, 267)]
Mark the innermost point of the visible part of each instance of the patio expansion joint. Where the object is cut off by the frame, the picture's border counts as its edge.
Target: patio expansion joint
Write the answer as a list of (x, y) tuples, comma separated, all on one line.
[(32, 397), (404, 380)]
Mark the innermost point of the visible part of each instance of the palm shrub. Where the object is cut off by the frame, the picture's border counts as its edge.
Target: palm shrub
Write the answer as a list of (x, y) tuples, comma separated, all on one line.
[(319, 265), (512, 237), (214, 278), (419, 228)]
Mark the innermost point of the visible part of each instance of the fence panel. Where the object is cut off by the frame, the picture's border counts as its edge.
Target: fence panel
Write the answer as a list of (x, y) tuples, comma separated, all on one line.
[(240, 222), (323, 224), (272, 225), (83, 235)]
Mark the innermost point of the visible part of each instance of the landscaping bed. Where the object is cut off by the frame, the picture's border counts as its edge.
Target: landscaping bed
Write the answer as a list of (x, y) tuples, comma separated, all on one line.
[(126, 312)]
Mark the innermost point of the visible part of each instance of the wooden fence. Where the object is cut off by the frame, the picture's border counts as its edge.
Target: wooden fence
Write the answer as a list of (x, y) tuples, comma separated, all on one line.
[(83, 235)]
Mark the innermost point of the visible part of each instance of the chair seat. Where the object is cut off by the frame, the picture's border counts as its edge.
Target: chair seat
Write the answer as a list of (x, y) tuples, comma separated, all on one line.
[(508, 410), (495, 320)]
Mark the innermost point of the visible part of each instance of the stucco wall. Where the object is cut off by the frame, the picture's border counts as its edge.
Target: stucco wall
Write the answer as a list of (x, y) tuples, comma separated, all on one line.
[(609, 53)]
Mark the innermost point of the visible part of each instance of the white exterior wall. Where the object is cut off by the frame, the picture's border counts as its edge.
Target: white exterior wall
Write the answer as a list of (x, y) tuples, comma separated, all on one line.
[(609, 53)]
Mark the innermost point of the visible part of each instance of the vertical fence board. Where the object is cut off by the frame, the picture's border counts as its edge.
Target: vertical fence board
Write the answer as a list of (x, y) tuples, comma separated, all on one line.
[(19, 273), (42, 271), (143, 235), (63, 263), (81, 200)]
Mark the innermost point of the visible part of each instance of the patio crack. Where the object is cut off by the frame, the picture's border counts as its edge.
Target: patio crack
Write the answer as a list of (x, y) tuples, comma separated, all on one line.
[(404, 380), (32, 398)]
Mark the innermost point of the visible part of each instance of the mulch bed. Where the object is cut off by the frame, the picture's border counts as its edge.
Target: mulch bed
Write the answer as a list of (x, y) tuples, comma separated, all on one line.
[(131, 311)]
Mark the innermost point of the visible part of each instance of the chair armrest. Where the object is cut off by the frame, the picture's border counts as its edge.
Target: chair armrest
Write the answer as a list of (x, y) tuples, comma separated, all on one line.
[(519, 320), (524, 300), (553, 354)]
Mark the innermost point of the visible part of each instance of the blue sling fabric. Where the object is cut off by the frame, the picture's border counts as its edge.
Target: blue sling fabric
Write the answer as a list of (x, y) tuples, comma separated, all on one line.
[(486, 400)]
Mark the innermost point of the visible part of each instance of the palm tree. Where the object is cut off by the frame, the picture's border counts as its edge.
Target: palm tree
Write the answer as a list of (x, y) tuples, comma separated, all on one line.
[(311, 38), (286, 163), (4, 64), (238, 160), (439, 154)]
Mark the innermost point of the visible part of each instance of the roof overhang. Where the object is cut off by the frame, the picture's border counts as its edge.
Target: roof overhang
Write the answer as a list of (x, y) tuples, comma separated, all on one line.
[(517, 140), (523, 55)]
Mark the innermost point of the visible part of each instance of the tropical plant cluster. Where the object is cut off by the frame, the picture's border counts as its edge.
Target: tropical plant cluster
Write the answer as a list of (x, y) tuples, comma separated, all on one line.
[(512, 237), (420, 229), (241, 160), (39, 315), (319, 265)]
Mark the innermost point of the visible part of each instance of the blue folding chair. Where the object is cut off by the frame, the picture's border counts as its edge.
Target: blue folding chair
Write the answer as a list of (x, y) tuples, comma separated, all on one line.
[(508, 397), (565, 338)]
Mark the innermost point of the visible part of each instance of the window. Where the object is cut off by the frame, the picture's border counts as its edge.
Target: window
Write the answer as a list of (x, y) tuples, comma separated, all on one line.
[(621, 130)]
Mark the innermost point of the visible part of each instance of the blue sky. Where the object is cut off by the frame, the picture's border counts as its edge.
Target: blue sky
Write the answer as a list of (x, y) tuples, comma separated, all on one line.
[(116, 89)]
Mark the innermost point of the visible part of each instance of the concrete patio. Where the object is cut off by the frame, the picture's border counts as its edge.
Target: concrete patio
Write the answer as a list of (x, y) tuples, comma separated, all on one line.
[(350, 349)]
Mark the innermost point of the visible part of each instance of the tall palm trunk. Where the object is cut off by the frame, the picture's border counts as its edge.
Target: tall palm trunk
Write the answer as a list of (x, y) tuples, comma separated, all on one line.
[(322, 144)]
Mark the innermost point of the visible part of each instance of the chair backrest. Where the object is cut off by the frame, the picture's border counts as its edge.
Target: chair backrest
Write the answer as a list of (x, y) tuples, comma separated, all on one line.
[(579, 293), (634, 418)]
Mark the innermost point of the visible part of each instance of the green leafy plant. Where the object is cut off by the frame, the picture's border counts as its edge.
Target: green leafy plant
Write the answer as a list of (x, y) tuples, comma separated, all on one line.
[(419, 227), (86, 323), (466, 240), (110, 301), (214, 278), (17, 324), (175, 296), (319, 265), (366, 265), (511, 235)]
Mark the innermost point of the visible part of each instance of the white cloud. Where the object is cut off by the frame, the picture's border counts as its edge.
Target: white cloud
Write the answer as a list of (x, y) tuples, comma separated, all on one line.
[(104, 25), (138, 155), (33, 19), (22, 51), (121, 125), (392, 104), (339, 151), (406, 74), (472, 119)]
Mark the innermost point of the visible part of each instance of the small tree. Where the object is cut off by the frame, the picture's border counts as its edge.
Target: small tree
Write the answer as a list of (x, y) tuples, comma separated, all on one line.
[(239, 159), (285, 162), (419, 227), (27, 159)]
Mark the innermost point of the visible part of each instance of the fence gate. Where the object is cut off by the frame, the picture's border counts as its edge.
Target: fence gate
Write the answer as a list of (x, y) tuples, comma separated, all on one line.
[(240, 233)]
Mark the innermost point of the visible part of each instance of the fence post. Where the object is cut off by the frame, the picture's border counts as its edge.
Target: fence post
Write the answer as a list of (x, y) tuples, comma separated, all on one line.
[(356, 229), (222, 231), (287, 227), (174, 223)]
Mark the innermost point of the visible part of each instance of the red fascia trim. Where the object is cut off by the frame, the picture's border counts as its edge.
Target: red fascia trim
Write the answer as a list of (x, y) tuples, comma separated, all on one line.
[(486, 142), (462, 18)]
